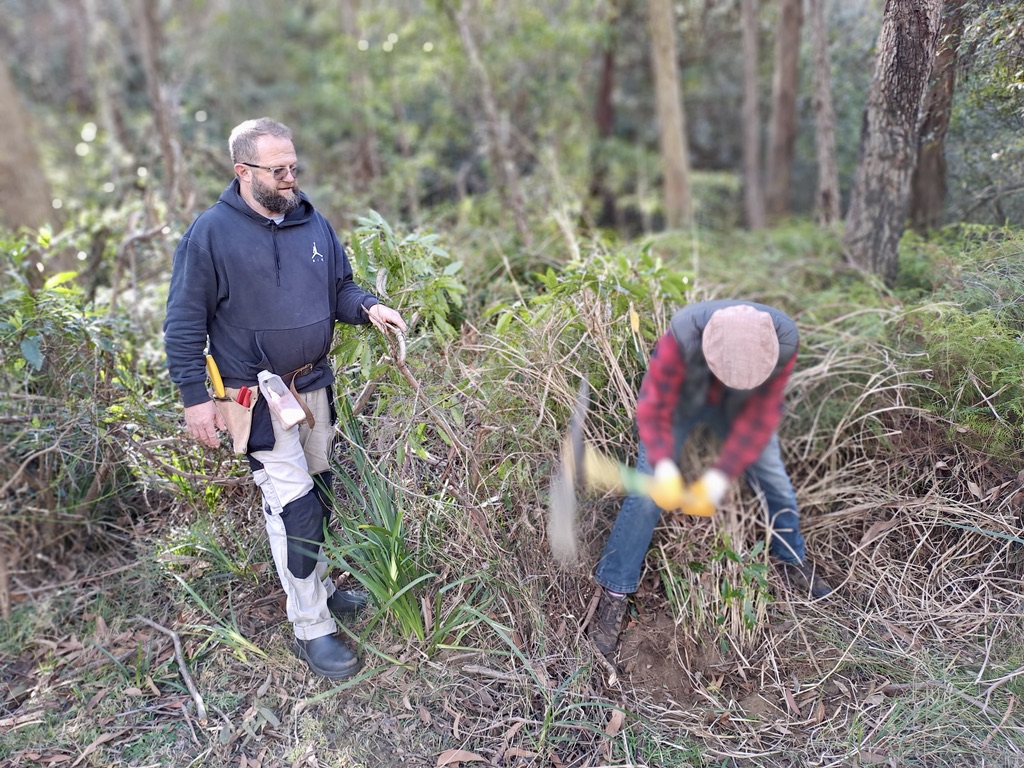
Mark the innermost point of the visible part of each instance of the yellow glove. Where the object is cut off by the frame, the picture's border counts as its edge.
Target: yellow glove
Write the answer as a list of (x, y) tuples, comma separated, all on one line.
[(701, 498), (667, 489)]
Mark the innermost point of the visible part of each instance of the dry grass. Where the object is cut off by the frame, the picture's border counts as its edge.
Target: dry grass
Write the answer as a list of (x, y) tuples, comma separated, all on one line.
[(915, 661)]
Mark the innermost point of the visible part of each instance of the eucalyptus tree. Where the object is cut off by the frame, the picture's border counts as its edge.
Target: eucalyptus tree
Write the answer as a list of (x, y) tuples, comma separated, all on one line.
[(753, 191), (826, 197), (671, 115), (782, 125), (20, 165), (928, 183), (888, 149)]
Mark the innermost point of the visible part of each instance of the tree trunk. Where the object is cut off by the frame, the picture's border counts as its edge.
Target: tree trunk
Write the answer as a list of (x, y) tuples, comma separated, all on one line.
[(671, 116), (151, 44), (20, 168), (753, 193), (826, 201), (73, 22), (928, 183), (888, 145), (782, 128), (604, 121), (366, 165), (505, 173)]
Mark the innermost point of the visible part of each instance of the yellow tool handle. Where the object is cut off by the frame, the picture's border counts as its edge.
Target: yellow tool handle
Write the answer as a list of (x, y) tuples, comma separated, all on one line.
[(215, 379)]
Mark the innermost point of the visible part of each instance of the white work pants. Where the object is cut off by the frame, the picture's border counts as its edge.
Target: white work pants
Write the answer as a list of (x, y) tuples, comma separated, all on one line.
[(286, 477)]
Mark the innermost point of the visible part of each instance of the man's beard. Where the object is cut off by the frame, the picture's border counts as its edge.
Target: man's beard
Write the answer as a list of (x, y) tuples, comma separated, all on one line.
[(273, 200)]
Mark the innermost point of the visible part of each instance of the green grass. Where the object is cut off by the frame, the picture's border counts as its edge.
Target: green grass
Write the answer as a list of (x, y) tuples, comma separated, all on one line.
[(475, 637)]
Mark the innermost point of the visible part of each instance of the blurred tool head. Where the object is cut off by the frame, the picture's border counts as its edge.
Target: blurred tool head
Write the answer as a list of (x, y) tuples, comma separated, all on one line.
[(741, 346), (562, 499)]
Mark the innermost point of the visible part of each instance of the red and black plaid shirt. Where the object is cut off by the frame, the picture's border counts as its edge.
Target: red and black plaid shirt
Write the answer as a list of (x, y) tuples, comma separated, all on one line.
[(749, 432)]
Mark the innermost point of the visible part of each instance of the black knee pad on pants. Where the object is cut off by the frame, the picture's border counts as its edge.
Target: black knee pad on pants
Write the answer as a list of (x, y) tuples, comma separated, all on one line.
[(323, 487), (304, 521)]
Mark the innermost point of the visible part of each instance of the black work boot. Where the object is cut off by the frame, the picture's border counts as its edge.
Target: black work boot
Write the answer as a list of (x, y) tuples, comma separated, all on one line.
[(346, 602), (606, 624), (328, 656), (803, 578)]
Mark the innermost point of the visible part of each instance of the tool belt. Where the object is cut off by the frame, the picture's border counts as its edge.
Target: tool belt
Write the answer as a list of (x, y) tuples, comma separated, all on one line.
[(237, 416)]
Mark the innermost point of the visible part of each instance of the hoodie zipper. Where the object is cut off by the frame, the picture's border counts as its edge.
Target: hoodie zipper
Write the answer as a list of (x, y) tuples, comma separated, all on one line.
[(277, 253)]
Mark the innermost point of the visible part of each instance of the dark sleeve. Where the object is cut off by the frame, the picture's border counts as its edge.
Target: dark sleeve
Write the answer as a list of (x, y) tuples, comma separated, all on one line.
[(352, 301), (191, 301), (754, 425), (659, 394)]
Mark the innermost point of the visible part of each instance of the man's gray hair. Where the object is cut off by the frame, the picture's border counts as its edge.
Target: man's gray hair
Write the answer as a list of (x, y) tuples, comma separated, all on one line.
[(242, 142)]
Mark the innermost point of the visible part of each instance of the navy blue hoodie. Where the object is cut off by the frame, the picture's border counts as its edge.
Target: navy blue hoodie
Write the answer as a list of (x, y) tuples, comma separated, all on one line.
[(266, 294)]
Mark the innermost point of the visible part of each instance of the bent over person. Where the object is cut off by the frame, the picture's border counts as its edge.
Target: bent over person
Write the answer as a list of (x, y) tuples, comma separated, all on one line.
[(725, 364), (260, 279)]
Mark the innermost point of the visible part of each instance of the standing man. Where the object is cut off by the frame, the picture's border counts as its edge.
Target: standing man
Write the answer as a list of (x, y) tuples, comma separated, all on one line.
[(725, 364), (261, 278)]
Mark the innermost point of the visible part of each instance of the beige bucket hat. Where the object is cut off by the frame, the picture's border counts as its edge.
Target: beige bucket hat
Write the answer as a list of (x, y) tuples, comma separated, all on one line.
[(741, 346)]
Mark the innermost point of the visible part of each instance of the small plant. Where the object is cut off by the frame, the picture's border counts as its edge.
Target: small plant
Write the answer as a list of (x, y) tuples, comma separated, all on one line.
[(377, 554), (413, 274), (727, 592)]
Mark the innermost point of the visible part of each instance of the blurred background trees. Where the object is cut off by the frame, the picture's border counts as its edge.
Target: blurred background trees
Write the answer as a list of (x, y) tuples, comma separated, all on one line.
[(453, 112)]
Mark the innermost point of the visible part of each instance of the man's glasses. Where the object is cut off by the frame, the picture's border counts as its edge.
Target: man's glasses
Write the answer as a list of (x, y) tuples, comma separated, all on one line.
[(279, 172)]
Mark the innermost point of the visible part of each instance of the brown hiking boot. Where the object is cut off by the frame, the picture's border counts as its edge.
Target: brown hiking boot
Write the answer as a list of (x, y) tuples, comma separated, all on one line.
[(606, 623), (803, 578)]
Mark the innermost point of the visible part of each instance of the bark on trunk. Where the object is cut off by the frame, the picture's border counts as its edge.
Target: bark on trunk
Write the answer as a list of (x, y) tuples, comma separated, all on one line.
[(502, 165), (604, 122), (671, 117), (826, 201), (151, 44), (782, 128), (20, 168), (366, 163), (753, 192), (888, 148), (928, 183)]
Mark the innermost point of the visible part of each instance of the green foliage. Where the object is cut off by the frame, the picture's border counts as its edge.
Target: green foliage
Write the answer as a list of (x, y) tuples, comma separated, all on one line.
[(974, 368), (708, 594), (221, 629), (962, 329), (416, 273), (378, 555), (412, 274), (992, 38), (631, 287), (60, 359)]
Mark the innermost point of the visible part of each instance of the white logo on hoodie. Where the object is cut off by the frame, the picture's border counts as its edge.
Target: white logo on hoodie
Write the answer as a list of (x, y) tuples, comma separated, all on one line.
[(317, 256)]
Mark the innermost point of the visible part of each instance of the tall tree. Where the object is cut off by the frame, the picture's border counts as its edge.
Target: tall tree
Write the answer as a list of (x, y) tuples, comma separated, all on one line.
[(826, 198), (367, 163), (928, 183), (599, 190), (497, 130), (782, 126), (20, 167), (888, 144), (151, 42), (753, 193), (671, 116)]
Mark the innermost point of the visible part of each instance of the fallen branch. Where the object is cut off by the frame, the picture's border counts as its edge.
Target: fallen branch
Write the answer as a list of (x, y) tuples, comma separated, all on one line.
[(495, 674), (1006, 716), (999, 681), (180, 657), (211, 479)]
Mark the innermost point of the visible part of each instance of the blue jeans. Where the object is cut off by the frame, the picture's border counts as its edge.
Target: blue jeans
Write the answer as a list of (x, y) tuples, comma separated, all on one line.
[(623, 557)]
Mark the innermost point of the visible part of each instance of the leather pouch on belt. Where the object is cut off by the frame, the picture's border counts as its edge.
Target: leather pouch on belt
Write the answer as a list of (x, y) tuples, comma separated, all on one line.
[(238, 417)]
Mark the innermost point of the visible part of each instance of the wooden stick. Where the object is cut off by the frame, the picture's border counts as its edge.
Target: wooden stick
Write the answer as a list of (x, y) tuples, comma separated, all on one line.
[(196, 696)]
